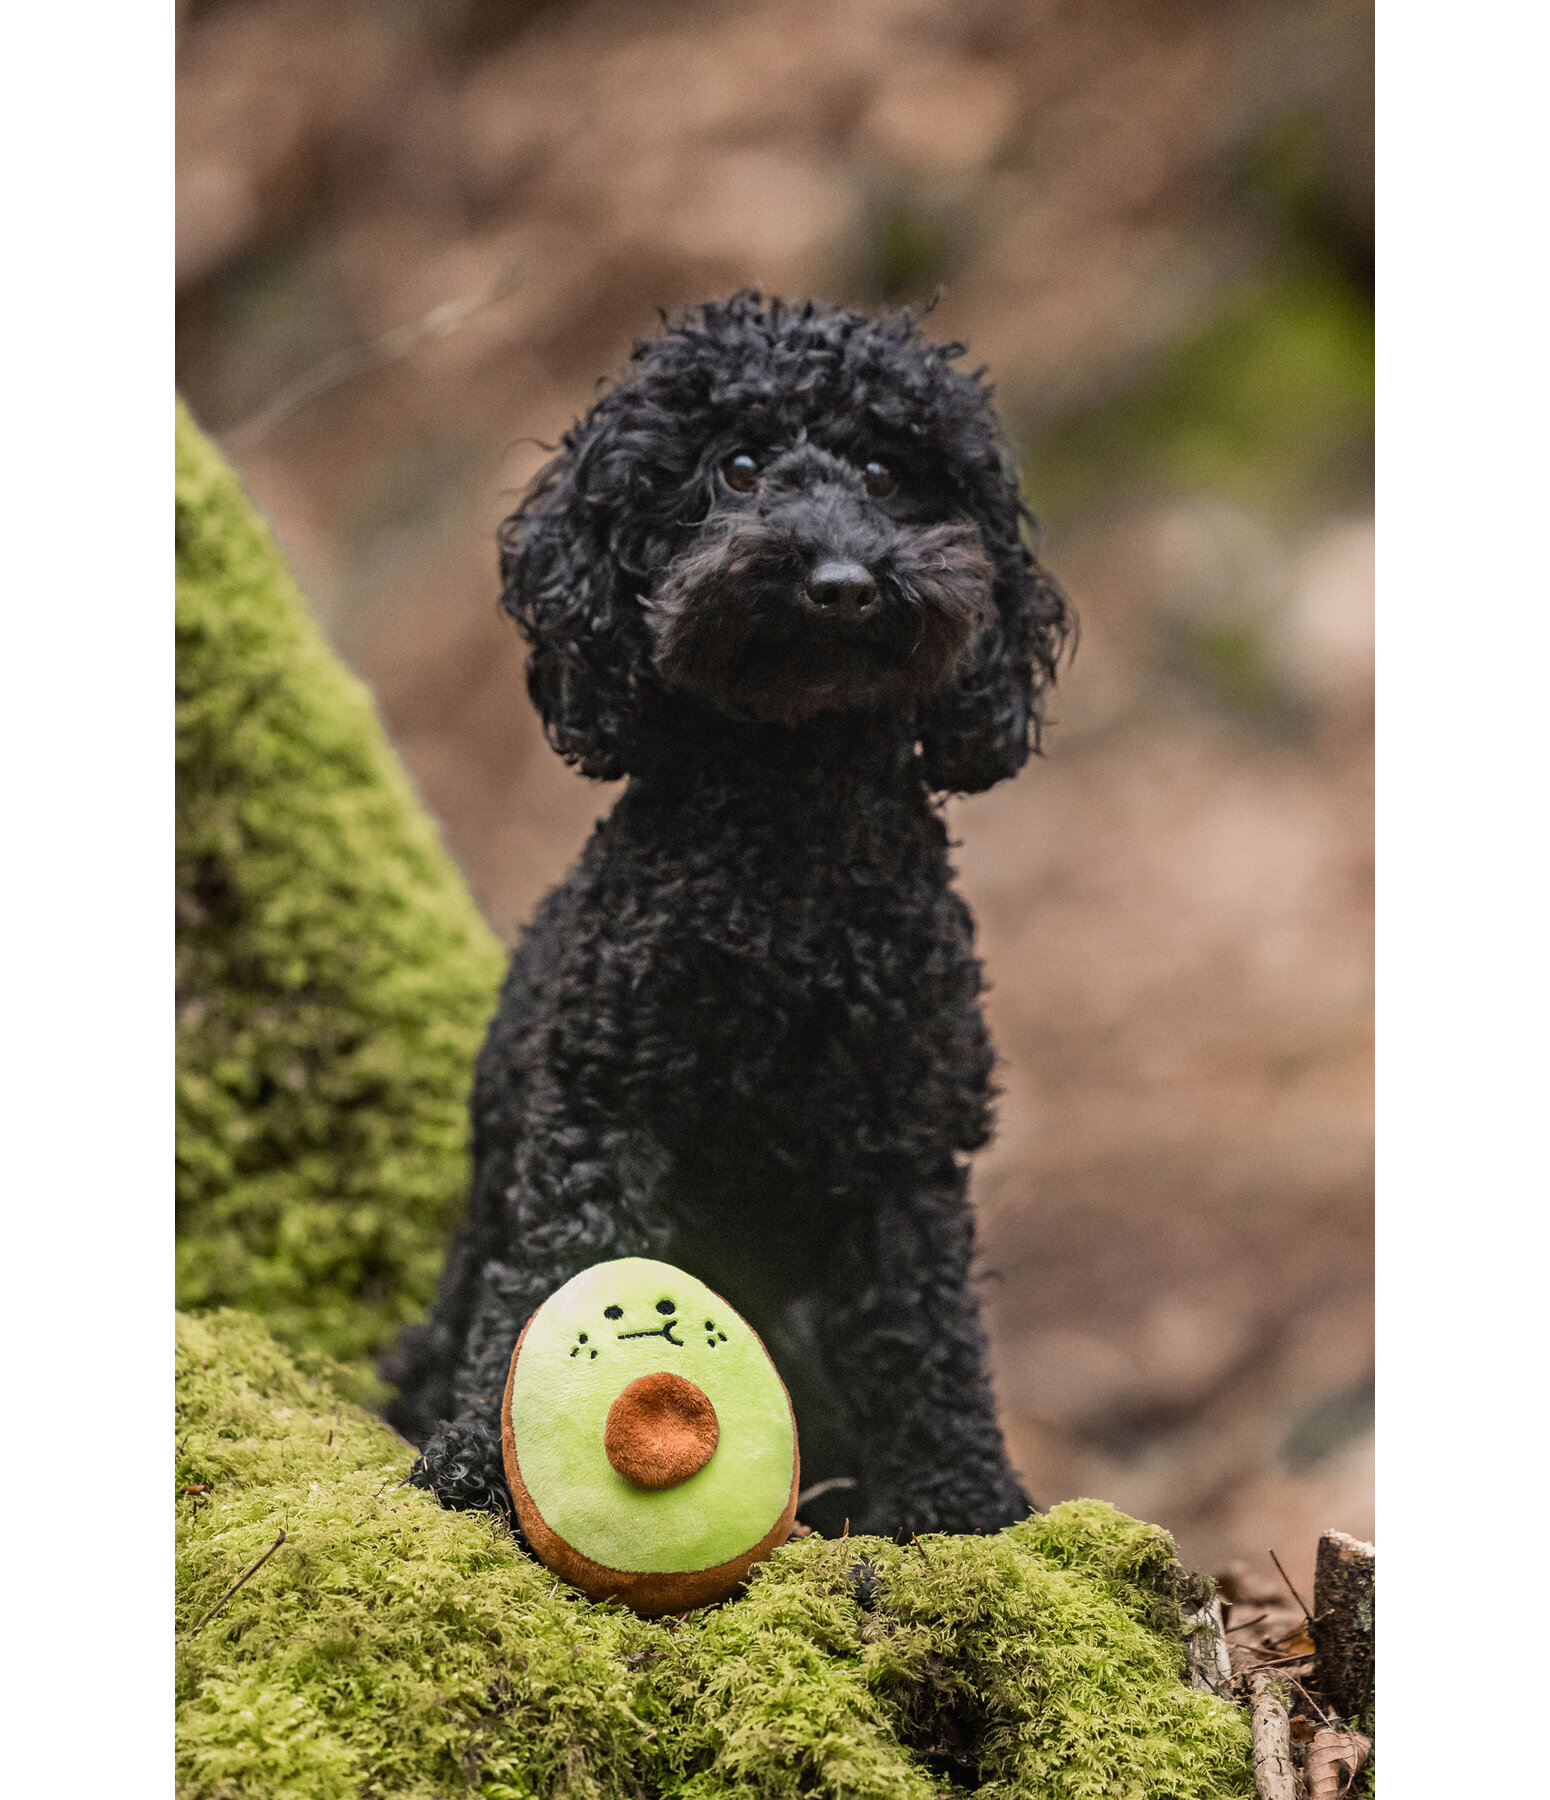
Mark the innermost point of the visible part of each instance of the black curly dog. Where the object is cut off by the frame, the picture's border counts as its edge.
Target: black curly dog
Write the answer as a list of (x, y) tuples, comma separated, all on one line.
[(777, 577)]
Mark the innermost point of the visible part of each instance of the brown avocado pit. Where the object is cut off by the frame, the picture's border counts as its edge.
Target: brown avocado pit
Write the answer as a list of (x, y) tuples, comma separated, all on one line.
[(661, 1430)]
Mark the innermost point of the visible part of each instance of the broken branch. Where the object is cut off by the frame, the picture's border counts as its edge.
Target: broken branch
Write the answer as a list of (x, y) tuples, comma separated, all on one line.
[(1275, 1778), (1344, 1594)]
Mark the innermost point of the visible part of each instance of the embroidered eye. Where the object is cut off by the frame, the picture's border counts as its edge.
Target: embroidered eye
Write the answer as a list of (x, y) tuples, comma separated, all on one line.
[(740, 473), (880, 480), (666, 1306), (613, 1312)]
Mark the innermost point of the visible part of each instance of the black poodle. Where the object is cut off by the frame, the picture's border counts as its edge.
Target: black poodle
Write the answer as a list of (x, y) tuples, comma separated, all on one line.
[(778, 578)]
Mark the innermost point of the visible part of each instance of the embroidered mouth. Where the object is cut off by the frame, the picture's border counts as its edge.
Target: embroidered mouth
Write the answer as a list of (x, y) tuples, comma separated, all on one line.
[(663, 1331)]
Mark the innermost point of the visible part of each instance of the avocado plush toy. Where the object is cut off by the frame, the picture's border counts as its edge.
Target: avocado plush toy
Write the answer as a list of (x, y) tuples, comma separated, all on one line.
[(649, 1444)]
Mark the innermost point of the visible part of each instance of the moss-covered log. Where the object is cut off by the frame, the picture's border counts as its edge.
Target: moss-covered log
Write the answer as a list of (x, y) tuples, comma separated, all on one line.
[(334, 976), (390, 1648)]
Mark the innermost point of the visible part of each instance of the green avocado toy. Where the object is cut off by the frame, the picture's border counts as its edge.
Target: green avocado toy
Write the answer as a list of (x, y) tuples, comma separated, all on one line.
[(649, 1444)]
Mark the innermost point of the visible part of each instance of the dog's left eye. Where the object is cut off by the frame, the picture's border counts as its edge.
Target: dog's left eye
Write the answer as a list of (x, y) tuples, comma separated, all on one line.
[(741, 472), (880, 480)]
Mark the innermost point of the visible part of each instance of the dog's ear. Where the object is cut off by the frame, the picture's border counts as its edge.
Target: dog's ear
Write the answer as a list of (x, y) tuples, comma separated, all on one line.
[(982, 725), (565, 580)]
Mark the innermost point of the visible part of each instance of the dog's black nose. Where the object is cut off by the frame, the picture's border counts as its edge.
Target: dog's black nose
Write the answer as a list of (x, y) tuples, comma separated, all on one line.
[(843, 587)]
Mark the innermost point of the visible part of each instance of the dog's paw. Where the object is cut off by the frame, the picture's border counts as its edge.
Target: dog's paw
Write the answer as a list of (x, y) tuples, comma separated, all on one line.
[(862, 1576), (461, 1465)]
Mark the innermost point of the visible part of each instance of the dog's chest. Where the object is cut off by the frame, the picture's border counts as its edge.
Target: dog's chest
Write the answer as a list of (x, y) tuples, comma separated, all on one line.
[(790, 983), (787, 898)]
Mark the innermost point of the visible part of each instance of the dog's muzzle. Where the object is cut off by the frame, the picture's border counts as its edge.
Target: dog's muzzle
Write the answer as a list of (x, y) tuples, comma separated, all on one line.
[(767, 624)]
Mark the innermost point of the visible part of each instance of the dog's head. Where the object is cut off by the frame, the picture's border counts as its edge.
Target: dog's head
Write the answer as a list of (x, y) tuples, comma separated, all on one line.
[(783, 512)]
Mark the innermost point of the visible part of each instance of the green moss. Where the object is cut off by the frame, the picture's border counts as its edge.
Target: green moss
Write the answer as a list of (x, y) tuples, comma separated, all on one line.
[(1230, 658), (909, 251), (1271, 404), (390, 1648), (334, 976), (1270, 401)]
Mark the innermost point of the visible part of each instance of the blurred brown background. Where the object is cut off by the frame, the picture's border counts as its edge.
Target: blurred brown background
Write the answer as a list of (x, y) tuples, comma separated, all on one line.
[(415, 233)]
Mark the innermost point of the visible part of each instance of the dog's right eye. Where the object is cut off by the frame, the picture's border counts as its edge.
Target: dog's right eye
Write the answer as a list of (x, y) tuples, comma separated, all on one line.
[(740, 472)]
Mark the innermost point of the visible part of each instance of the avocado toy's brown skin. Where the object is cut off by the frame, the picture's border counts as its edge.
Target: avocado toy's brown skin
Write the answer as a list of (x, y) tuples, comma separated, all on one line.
[(648, 1593)]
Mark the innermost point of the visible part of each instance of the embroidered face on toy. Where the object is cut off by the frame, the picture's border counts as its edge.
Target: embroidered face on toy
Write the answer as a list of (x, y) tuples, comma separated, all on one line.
[(649, 1443)]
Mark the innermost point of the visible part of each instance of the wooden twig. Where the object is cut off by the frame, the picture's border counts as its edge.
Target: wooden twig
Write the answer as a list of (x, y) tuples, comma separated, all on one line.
[(1275, 1777), (1278, 1662), (246, 1576), (1258, 1619), (1324, 1717), (824, 1487), (393, 346), (1290, 1589)]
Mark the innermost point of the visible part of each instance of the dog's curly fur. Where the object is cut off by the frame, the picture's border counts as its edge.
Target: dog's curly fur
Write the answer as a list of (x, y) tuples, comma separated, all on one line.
[(744, 1035)]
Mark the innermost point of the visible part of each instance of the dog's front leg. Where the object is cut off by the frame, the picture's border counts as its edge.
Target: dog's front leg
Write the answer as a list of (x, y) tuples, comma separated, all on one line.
[(566, 1207), (903, 1342)]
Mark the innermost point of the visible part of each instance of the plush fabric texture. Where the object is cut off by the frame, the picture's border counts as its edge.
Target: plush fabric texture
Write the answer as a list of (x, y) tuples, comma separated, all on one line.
[(649, 1592), (333, 974), (779, 577), (392, 1648), (601, 1334), (660, 1431)]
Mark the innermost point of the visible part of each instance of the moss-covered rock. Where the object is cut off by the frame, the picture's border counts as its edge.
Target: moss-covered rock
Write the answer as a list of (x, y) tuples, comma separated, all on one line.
[(391, 1648), (334, 977)]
